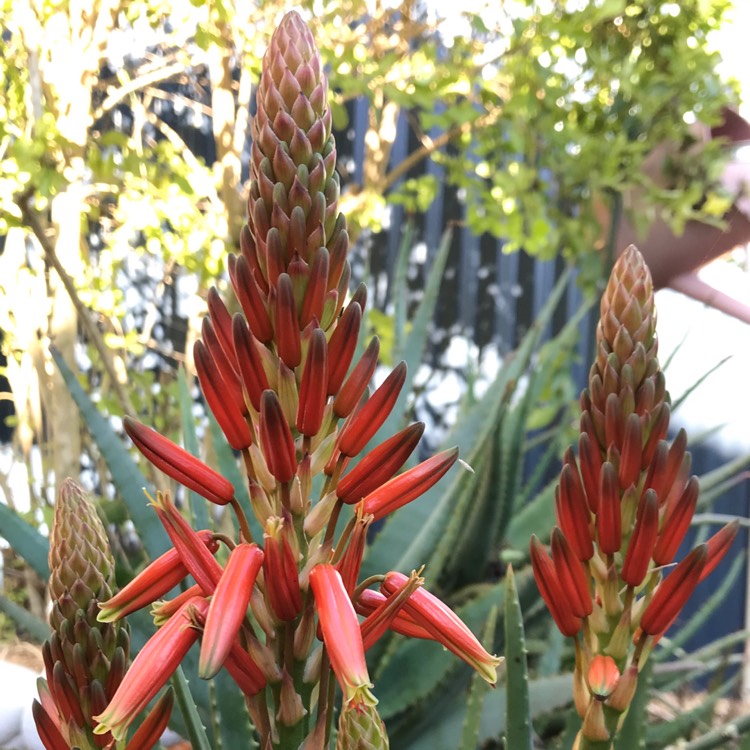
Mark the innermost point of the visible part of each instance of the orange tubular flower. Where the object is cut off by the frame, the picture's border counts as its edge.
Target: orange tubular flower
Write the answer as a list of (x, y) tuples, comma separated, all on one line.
[(152, 583), (152, 728), (228, 607), (317, 288), (408, 486), (341, 635), (280, 571), (276, 438), (177, 463), (249, 361), (676, 523), (367, 421), (342, 345), (372, 604), (718, 545), (557, 600), (152, 667), (285, 321), (573, 514), (379, 465), (641, 547), (571, 574), (215, 389), (251, 299), (608, 519), (312, 390), (355, 385), (445, 625), (385, 613), (672, 594), (193, 552)]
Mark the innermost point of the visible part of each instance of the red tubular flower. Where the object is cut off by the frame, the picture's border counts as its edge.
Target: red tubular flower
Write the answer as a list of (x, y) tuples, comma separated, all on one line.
[(630, 458), (153, 726), (365, 422), (249, 361), (571, 574), (165, 608), (672, 594), (379, 465), (193, 552), (591, 464), (676, 523), (287, 336), (153, 582), (225, 364), (215, 390), (177, 463), (718, 545), (342, 345), (152, 667), (228, 607), (573, 515), (551, 589), (276, 438), (280, 571), (341, 634), (354, 386), (317, 287), (221, 321), (384, 614), (370, 602), (49, 731), (244, 671), (250, 255), (445, 625), (351, 561), (312, 390), (609, 517), (252, 300), (641, 546), (408, 486)]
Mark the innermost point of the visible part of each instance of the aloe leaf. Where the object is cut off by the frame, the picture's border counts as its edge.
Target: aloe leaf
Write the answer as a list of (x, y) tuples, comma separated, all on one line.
[(478, 690), (399, 290), (196, 731), (517, 714), (665, 733), (27, 623), (440, 729), (532, 518), (126, 475), (25, 540), (233, 728), (707, 609), (190, 442), (718, 737), (419, 526), (415, 340)]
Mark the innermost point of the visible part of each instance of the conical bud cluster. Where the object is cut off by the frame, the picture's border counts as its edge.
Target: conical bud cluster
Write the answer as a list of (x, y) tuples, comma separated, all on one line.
[(293, 219), (623, 508), (85, 659), (361, 728)]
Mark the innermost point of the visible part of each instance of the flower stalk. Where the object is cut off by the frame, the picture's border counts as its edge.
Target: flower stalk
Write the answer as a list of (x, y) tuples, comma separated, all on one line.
[(281, 614), (623, 509)]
